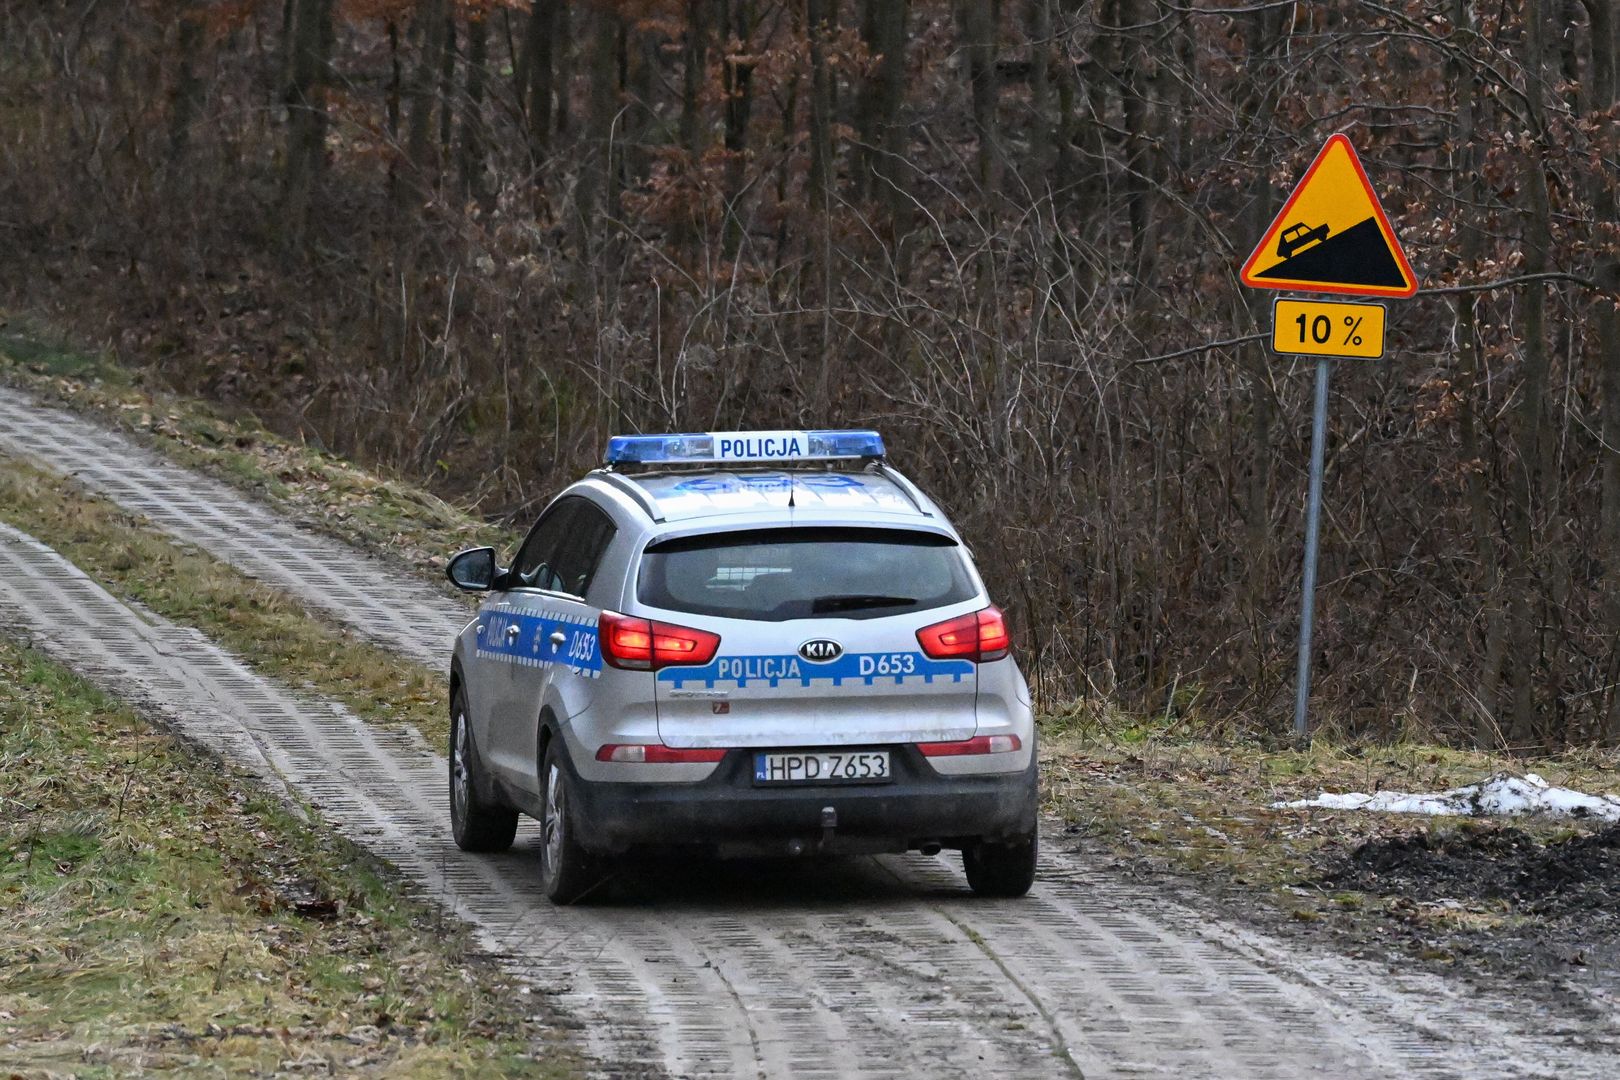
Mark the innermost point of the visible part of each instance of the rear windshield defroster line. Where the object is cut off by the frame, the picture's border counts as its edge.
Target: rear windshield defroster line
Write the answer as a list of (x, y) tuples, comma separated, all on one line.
[(774, 575)]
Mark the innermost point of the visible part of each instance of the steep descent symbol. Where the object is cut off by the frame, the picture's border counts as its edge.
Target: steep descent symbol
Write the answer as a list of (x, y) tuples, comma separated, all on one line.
[(1332, 235), (1297, 236)]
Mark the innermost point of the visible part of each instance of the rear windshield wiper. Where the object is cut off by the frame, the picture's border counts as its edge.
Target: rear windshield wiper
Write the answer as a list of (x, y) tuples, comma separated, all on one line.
[(822, 604)]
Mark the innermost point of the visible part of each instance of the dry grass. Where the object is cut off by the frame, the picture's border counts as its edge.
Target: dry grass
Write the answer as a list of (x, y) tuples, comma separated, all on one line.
[(1151, 790), (255, 621), (160, 915)]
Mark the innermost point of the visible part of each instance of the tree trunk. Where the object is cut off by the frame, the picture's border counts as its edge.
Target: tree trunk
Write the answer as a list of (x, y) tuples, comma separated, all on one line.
[(427, 30), (694, 64), (820, 106), (1487, 727), (562, 63), (787, 125), (1264, 30), (472, 117), (1532, 430), (978, 33), (538, 72), (892, 172), (865, 122), (820, 186), (694, 67), (1604, 92), (306, 111), (1187, 84), (597, 193), (395, 83), (738, 76), (391, 106), (447, 89), (638, 78), (283, 60), (187, 86), (883, 24), (1070, 92), (1134, 77), (1040, 95)]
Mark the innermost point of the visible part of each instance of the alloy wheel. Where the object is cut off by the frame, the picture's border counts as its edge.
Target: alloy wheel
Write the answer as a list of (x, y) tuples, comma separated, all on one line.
[(553, 825), (460, 774)]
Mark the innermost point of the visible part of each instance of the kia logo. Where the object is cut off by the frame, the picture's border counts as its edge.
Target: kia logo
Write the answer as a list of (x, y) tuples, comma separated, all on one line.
[(821, 650)]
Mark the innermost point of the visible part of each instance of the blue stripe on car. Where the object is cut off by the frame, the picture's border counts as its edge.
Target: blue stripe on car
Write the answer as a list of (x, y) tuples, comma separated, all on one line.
[(532, 646), (864, 668)]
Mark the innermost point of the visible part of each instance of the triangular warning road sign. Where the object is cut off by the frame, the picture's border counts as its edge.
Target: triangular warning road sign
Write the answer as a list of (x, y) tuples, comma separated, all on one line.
[(1332, 236)]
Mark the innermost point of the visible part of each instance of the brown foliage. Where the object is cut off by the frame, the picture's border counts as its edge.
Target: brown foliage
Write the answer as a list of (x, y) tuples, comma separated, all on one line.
[(1008, 236)]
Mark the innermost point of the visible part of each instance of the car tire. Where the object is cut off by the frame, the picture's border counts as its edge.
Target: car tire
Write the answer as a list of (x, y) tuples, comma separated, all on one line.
[(567, 871), (476, 825), (1005, 869)]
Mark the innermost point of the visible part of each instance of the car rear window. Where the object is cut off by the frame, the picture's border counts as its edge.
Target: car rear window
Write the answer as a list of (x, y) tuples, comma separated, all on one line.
[(774, 575)]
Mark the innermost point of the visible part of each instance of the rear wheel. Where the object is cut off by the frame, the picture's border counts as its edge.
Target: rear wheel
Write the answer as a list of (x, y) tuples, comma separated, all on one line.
[(1001, 869), (567, 871), (475, 824)]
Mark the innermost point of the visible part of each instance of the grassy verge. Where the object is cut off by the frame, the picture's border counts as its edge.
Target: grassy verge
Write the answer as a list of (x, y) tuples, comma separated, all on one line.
[(376, 513), (160, 916), (1199, 807), (253, 620)]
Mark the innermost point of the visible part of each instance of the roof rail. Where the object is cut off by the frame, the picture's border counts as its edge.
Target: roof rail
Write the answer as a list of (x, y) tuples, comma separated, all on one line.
[(910, 490), (634, 490)]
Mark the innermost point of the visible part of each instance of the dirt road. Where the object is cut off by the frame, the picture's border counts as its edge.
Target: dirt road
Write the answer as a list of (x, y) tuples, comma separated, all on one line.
[(860, 968)]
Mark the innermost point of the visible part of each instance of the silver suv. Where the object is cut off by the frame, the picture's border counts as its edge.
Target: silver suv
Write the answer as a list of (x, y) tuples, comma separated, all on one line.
[(741, 644)]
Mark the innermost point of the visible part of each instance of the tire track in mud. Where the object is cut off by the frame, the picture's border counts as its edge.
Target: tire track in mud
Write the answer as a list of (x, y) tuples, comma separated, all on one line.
[(864, 968), (357, 590)]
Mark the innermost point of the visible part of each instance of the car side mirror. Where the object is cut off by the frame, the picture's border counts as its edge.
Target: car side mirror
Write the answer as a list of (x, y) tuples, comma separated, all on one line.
[(473, 570)]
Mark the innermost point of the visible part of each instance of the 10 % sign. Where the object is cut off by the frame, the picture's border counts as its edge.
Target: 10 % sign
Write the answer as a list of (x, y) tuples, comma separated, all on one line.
[(1328, 328)]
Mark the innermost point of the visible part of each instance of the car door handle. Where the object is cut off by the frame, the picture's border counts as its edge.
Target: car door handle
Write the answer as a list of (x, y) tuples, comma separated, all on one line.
[(558, 639)]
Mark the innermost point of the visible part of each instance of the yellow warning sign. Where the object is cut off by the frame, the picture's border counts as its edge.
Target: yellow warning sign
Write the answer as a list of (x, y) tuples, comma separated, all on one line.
[(1332, 235), (1327, 328)]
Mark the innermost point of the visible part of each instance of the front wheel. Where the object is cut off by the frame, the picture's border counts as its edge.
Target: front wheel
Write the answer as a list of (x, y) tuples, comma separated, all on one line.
[(475, 824), (1001, 869), (567, 872)]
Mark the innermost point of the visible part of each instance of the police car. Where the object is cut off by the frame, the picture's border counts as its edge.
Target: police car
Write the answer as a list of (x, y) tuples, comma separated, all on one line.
[(741, 644)]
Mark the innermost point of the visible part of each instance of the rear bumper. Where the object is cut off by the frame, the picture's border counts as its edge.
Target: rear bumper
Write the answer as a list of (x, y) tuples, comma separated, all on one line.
[(728, 813)]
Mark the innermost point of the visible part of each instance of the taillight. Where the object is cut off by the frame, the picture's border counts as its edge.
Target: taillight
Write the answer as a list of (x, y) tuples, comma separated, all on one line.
[(626, 643), (655, 754), (980, 637), (682, 645), (979, 744), (644, 645)]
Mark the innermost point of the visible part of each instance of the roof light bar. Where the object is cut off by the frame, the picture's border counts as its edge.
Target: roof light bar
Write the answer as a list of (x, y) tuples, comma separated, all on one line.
[(727, 446)]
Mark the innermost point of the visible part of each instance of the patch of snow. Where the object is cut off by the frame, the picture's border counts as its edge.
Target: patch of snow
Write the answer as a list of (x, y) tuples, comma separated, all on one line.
[(1502, 794)]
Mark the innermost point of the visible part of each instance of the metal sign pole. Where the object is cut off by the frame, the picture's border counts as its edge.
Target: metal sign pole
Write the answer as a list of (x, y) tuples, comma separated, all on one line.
[(1313, 519)]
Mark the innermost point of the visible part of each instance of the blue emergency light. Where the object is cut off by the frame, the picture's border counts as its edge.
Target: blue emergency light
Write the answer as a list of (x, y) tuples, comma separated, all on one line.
[(741, 446)]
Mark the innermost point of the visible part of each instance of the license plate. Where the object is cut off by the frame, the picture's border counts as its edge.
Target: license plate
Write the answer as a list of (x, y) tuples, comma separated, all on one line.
[(823, 767)]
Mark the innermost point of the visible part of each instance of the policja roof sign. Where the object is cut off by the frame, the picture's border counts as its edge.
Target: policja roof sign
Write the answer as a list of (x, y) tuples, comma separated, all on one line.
[(1332, 235)]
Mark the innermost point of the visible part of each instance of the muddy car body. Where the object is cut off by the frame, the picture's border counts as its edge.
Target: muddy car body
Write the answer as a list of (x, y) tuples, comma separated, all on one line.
[(760, 643)]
